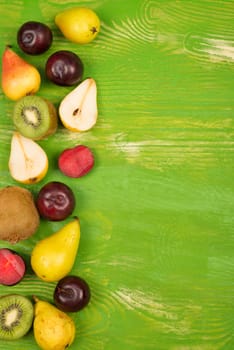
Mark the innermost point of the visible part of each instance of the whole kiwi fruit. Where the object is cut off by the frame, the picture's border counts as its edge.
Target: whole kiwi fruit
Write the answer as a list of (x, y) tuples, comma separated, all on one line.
[(19, 217), (16, 316)]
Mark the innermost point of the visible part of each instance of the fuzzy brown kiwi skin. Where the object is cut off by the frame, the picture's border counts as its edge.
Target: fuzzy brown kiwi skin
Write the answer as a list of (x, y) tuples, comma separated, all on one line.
[(53, 120), (19, 217)]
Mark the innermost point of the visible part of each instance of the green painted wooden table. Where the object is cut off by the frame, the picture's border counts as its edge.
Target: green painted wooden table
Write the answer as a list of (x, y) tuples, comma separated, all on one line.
[(156, 212)]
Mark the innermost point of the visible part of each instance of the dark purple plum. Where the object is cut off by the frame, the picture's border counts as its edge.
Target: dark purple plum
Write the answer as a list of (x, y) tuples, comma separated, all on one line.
[(64, 68), (71, 294), (55, 201), (34, 38)]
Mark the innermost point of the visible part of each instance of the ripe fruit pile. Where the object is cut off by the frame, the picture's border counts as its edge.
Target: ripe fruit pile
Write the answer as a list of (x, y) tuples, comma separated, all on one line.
[(35, 118)]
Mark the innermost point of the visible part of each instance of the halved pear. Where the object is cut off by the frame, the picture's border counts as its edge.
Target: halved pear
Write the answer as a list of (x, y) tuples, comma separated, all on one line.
[(78, 110), (28, 162)]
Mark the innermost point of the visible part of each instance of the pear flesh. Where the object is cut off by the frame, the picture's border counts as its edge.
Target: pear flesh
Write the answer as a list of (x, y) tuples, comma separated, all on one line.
[(53, 257), (78, 110), (28, 162), (53, 329)]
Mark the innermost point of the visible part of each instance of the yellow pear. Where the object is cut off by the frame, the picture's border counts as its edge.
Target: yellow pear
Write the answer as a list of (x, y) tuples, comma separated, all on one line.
[(28, 162), (19, 78), (53, 257), (78, 24), (53, 329), (78, 109)]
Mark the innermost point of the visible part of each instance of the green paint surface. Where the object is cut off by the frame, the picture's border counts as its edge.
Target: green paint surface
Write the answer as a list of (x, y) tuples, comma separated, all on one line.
[(156, 211)]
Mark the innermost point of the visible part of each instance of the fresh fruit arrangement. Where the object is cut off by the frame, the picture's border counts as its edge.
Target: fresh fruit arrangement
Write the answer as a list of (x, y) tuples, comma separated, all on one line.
[(35, 118)]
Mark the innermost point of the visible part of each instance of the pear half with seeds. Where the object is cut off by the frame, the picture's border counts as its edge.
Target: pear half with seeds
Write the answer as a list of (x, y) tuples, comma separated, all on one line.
[(28, 162), (78, 110)]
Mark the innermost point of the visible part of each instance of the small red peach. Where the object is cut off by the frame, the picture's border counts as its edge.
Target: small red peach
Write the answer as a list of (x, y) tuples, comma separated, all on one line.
[(76, 161), (12, 267)]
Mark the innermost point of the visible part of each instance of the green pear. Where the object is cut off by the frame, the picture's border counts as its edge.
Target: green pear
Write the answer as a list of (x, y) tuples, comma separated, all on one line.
[(53, 257)]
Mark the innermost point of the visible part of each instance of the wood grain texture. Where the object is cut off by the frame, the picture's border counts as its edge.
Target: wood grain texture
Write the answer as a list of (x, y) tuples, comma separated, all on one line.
[(157, 210)]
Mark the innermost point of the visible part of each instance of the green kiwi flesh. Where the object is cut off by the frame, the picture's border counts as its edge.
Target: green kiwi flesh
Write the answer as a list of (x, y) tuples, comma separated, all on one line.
[(16, 316), (34, 117)]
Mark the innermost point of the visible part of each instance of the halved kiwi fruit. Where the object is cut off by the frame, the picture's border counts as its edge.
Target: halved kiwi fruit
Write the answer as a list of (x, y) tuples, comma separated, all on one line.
[(16, 316), (35, 117)]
